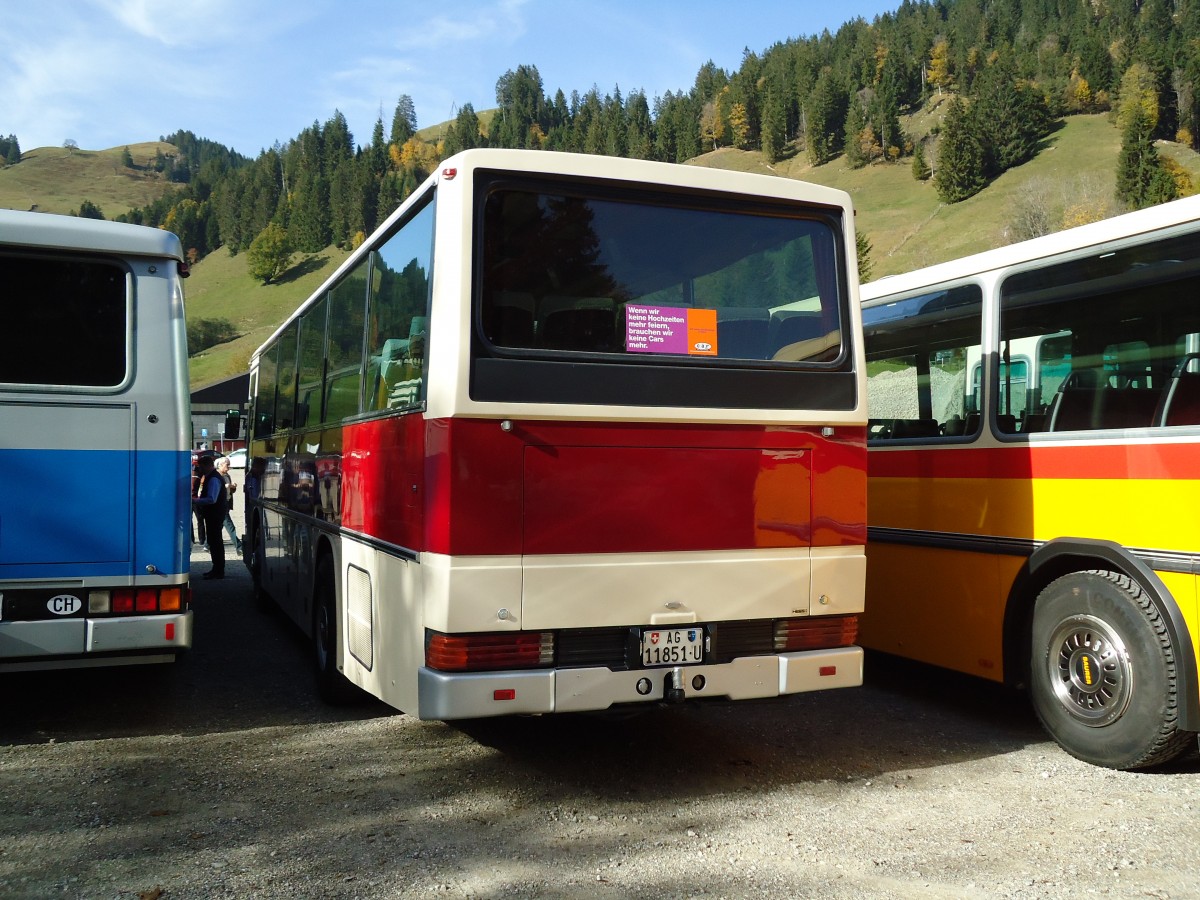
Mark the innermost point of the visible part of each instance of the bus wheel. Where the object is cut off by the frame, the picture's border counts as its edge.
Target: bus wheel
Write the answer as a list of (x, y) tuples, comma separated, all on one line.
[(332, 686), (1103, 674)]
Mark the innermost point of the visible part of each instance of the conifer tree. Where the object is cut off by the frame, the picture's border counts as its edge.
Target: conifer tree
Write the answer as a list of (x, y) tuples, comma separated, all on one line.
[(639, 126), (774, 126), (960, 160), (920, 166), (856, 123), (863, 247), (1141, 179), (404, 121), (825, 112)]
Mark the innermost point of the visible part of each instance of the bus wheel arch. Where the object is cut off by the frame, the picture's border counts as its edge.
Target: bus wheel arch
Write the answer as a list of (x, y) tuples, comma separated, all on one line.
[(1109, 659), (332, 685)]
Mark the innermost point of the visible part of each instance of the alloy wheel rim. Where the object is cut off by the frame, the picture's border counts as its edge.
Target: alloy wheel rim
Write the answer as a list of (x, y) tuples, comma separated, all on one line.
[(1090, 670)]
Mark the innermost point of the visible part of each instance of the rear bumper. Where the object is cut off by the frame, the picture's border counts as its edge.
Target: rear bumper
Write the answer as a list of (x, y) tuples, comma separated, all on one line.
[(443, 695), (111, 641)]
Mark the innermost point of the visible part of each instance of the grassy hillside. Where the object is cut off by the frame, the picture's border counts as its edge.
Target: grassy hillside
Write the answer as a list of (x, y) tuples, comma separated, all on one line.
[(908, 226), (221, 288), (58, 180)]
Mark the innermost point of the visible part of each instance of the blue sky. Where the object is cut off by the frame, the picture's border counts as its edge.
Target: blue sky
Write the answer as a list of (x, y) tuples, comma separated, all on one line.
[(248, 73)]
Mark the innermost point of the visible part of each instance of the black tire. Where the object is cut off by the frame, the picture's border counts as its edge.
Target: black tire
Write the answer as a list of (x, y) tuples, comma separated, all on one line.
[(332, 686), (1103, 674), (254, 562)]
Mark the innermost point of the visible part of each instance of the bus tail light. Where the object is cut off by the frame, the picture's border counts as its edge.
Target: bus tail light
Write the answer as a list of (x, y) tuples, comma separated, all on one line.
[(479, 652), (129, 601), (817, 633)]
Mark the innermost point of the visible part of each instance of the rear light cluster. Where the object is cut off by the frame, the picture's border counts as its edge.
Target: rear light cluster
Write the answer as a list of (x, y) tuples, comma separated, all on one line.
[(477, 652), (135, 601), (527, 650), (820, 633)]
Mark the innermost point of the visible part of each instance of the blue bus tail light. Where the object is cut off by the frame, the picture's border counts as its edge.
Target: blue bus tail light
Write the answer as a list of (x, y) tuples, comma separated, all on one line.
[(128, 601)]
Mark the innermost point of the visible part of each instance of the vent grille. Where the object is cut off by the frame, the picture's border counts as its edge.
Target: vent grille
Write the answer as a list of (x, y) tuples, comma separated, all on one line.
[(360, 616)]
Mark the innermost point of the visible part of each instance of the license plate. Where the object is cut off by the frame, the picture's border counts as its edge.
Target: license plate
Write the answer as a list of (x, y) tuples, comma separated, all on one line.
[(672, 646)]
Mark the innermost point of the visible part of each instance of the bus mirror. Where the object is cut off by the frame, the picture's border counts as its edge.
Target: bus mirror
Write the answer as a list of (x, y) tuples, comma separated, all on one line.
[(233, 425)]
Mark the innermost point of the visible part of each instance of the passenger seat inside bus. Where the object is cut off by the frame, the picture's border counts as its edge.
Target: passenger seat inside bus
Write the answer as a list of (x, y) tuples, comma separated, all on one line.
[(586, 324), (1180, 402), (801, 335), (1086, 400), (509, 320), (742, 332)]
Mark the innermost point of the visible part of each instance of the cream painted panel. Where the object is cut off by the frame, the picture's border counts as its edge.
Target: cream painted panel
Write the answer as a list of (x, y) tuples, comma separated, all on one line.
[(663, 588)]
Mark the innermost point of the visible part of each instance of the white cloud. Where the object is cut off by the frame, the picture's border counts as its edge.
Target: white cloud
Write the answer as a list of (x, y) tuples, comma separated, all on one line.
[(501, 20), (179, 24)]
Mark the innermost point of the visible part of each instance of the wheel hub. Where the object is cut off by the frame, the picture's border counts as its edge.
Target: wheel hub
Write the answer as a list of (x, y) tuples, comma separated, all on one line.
[(1090, 670)]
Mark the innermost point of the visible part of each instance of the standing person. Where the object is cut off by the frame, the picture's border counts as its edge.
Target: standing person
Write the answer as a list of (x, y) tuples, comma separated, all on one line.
[(198, 525), (230, 489), (212, 502)]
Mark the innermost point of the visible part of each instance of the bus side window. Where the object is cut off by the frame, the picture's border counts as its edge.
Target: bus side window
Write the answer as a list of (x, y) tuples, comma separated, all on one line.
[(264, 398), (398, 315)]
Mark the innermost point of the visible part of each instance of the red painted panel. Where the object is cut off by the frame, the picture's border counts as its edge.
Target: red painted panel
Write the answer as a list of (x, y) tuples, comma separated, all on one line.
[(383, 473), (558, 487), (630, 499)]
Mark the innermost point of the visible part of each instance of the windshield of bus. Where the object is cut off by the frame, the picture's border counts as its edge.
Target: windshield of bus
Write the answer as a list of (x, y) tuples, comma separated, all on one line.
[(659, 278)]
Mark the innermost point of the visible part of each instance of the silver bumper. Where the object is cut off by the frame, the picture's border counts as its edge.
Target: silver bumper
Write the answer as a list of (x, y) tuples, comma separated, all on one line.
[(443, 695), (93, 642)]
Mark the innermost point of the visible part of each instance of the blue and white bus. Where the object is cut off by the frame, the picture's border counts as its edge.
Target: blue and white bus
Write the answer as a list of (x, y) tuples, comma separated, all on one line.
[(94, 444)]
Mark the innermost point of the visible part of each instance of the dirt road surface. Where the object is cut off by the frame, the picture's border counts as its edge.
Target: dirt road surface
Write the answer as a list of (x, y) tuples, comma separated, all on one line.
[(223, 776)]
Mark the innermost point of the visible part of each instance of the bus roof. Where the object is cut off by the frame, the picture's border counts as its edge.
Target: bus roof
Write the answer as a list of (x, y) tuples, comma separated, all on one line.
[(1143, 221), (51, 232)]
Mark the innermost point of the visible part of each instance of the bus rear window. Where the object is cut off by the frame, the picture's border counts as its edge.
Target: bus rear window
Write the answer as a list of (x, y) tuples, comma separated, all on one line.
[(658, 279), (66, 322)]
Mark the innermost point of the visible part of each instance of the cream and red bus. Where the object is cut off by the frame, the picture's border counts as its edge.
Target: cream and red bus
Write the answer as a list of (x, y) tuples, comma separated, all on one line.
[(1034, 471), (570, 432)]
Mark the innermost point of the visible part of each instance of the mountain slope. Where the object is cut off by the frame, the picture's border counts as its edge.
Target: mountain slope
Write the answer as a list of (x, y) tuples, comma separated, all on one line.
[(58, 180), (903, 219)]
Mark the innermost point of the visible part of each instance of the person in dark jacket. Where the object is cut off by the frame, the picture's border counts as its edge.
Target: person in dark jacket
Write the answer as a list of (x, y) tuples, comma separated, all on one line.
[(212, 502), (222, 466)]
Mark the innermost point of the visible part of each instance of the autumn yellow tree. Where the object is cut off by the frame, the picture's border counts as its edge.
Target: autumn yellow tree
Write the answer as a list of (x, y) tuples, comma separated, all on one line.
[(739, 127), (939, 65), (1079, 94), (1138, 96), (712, 119)]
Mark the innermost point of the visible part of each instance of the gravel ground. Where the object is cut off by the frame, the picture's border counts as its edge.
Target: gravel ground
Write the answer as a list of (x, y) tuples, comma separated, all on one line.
[(221, 776)]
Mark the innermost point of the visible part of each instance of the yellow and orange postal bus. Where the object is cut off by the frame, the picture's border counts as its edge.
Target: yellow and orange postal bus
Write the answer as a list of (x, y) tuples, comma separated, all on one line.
[(1034, 476)]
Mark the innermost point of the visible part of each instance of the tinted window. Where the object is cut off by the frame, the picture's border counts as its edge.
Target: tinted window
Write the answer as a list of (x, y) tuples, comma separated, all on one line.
[(286, 397), (1110, 339), (924, 364), (65, 322), (264, 399), (312, 365), (658, 279), (347, 315), (398, 315)]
